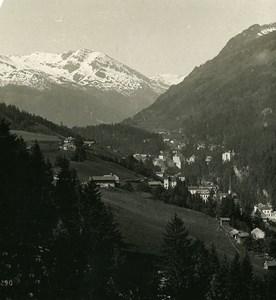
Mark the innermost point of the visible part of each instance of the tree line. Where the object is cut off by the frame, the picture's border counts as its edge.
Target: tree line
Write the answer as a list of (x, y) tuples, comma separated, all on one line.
[(22, 120), (125, 139)]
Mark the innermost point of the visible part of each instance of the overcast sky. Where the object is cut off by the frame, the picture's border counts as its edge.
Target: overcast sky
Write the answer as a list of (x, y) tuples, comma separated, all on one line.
[(152, 36)]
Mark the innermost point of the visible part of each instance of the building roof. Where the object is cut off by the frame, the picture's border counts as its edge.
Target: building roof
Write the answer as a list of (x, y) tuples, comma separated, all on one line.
[(234, 232), (225, 219), (154, 182), (243, 234), (266, 207), (105, 178), (257, 231)]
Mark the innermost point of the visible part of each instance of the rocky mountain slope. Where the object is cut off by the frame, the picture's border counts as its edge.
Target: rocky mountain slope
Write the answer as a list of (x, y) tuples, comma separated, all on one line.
[(76, 88)]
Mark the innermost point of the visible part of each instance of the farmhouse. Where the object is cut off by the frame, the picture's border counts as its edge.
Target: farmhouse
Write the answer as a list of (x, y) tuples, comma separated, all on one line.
[(106, 181)]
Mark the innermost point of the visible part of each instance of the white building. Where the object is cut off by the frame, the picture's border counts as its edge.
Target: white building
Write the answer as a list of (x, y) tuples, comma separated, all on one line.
[(203, 191), (227, 156), (266, 211), (191, 159), (177, 161), (208, 159)]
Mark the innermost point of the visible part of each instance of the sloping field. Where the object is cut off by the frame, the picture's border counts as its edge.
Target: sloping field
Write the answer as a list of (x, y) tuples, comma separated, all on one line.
[(95, 166), (32, 136), (142, 222), (98, 167)]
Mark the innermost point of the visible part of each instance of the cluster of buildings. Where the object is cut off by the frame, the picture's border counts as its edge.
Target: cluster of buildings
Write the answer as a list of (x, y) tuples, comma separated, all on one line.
[(239, 235), (166, 160), (69, 144)]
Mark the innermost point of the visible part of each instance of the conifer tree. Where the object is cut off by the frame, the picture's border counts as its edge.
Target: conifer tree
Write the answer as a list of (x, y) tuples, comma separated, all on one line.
[(101, 242), (246, 278), (202, 270), (178, 264), (218, 289), (234, 284), (67, 276)]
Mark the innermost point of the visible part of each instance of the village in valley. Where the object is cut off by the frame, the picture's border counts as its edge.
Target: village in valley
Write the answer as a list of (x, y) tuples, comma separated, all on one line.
[(169, 171)]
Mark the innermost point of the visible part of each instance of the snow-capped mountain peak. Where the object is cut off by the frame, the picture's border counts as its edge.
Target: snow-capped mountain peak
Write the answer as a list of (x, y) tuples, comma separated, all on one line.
[(98, 87), (167, 79)]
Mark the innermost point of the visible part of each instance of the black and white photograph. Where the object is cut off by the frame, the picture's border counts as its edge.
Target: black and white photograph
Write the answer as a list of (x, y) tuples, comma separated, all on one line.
[(137, 149)]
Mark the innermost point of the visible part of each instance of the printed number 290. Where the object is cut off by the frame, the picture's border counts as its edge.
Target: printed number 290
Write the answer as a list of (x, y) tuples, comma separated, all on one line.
[(6, 283)]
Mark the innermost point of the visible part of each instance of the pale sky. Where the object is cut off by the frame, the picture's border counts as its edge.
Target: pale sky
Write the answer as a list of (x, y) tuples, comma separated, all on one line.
[(151, 36)]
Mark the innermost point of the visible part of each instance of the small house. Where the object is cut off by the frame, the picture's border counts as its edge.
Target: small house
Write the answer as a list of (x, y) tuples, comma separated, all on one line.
[(224, 221), (241, 236), (257, 234), (89, 144), (270, 265)]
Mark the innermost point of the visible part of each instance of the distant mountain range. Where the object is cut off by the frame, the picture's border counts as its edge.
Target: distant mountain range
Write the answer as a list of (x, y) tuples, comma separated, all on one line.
[(76, 88)]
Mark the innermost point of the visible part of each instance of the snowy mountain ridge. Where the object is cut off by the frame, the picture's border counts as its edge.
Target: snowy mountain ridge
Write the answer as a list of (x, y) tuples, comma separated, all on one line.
[(82, 69)]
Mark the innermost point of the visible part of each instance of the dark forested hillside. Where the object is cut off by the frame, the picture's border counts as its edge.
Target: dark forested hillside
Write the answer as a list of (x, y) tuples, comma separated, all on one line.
[(125, 139), (21, 120), (229, 102)]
